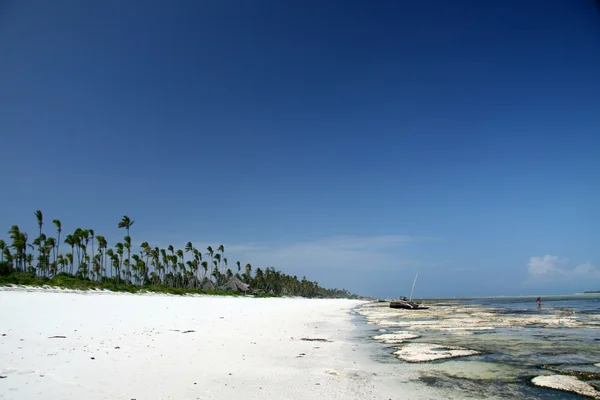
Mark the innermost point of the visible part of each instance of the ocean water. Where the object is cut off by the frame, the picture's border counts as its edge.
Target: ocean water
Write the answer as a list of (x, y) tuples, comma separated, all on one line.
[(515, 341)]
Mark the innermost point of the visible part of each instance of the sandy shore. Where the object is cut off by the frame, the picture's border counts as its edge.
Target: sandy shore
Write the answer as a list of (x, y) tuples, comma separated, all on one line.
[(120, 346)]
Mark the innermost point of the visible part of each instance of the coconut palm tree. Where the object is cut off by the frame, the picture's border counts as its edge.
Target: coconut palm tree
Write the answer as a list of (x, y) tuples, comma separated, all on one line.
[(50, 247), (248, 274), (20, 245), (127, 263), (205, 267), (71, 240), (150, 266), (210, 252), (119, 247), (91, 235), (126, 223), (110, 254), (221, 248), (40, 220), (3, 247), (58, 225), (102, 245), (218, 259)]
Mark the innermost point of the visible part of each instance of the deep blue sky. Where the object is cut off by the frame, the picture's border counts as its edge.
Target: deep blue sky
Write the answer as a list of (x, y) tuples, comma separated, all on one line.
[(351, 141)]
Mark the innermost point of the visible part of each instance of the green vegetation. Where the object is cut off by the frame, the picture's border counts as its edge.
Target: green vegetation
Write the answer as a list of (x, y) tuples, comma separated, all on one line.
[(90, 264)]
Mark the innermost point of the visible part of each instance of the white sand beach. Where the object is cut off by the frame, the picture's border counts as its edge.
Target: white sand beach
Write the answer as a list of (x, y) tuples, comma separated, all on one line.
[(99, 345)]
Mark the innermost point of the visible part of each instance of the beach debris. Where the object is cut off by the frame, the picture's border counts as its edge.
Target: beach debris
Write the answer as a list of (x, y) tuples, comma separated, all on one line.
[(57, 337), (421, 352), (315, 340), (566, 383)]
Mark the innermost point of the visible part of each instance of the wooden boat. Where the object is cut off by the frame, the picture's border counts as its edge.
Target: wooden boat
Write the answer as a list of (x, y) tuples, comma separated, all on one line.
[(408, 304)]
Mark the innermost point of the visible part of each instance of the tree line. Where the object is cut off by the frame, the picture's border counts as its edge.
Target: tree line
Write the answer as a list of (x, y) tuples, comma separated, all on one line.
[(86, 257)]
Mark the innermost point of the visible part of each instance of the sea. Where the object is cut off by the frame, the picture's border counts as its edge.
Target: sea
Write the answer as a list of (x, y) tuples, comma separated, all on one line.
[(487, 348)]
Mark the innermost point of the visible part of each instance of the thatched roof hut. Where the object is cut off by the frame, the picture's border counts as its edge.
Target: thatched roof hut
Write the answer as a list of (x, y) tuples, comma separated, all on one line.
[(208, 285), (236, 284)]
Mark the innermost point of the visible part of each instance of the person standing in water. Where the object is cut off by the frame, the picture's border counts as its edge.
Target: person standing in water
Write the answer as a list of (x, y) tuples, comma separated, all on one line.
[(539, 301)]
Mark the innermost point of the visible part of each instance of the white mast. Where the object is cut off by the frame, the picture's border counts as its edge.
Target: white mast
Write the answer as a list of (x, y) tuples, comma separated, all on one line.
[(413, 288)]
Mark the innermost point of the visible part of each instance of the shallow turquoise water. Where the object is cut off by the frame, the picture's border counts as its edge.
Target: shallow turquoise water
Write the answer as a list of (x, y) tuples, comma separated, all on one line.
[(519, 340)]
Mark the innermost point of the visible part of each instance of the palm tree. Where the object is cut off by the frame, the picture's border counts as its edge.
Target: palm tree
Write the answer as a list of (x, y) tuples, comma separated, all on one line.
[(51, 247), (119, 256), (71, 240), (126, 223), (20, 245), (205, 267), (2, 248), (102, 245), (210, 252), (197, 260), (59, 230), (150, 266), (147, 252), (91, 233), (218, 258), (40, 220), (221, 248), (248, 274)]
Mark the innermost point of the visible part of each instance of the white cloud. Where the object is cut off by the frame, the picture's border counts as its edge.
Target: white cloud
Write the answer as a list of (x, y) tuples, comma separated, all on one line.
[(548, 267), (382, 252)]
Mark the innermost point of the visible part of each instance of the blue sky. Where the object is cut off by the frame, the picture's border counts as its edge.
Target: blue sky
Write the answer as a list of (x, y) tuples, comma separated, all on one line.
[(352, 142)]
